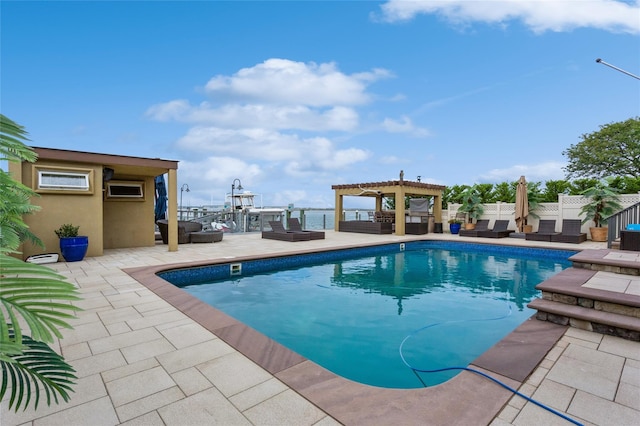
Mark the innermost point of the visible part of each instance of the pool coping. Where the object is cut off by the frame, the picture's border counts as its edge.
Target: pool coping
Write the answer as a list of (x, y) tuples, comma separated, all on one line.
[(467, 398)]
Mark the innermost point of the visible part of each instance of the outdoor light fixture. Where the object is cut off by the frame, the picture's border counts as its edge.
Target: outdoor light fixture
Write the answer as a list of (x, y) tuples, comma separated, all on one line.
[(233, 200), (183, 188)]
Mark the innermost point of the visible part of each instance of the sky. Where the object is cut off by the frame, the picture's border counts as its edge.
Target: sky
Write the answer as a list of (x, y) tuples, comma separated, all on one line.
[(292, 97)]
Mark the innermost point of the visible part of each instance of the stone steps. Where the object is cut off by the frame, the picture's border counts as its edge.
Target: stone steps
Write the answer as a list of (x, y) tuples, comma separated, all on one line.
[(567, 301), (587, 319)]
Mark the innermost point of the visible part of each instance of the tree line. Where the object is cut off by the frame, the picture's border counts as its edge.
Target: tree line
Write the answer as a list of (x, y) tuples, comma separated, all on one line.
[(612, 151), (541, 192)]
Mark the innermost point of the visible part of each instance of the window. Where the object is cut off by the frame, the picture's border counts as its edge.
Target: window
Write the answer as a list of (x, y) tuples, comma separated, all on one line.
[(54, 179), (123, 189)]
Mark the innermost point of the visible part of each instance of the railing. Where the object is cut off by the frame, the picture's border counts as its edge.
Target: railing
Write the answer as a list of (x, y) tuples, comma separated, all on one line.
[(620, 220)]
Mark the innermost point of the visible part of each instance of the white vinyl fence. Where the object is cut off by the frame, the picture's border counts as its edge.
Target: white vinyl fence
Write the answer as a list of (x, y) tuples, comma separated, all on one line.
[(567, 207)]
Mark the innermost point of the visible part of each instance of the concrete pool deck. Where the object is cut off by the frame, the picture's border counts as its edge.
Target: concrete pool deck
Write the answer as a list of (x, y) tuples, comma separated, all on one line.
[(139, 360)]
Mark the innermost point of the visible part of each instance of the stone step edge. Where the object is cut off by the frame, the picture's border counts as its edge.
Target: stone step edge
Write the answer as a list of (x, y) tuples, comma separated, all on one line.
[(586, 314), (617, 267), (557, 287)]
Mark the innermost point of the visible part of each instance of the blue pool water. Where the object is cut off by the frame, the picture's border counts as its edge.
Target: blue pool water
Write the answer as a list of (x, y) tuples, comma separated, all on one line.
[(350, 311)]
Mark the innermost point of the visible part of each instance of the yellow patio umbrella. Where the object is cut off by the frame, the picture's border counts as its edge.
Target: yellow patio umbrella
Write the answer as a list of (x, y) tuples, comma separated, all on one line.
[(522, 203)]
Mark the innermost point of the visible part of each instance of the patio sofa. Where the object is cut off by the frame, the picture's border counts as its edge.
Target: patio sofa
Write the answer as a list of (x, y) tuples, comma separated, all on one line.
[(365, 227), (185, 228)]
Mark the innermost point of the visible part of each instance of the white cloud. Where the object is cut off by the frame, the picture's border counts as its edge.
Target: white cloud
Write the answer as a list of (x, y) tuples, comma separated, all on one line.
[(173, 110), (551, 170), (296, 155), (391, 159), (267, 124), (404, 125), (258, 115), (538, 15), (286, 82), (218, 171)]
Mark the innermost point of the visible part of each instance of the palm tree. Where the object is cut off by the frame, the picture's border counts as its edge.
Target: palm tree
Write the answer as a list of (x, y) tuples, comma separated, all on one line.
[(31, 295), (472, 203), (603, 201)]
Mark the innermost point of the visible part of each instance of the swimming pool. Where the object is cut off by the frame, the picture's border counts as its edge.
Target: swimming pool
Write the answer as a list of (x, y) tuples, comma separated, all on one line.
[(350, 310)]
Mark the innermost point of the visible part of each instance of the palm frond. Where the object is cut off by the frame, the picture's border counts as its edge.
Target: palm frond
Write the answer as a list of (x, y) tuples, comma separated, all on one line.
[(36, 295), (38, 366), (13, 136)]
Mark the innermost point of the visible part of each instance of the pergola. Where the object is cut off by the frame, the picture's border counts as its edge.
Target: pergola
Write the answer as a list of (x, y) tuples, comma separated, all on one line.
[(398, 189)]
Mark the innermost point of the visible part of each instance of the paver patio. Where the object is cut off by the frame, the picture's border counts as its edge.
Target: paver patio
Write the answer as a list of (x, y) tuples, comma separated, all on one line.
[(141, 361)]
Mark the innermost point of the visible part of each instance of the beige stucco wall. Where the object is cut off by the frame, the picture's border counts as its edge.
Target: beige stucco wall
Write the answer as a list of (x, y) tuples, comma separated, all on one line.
[(130, 223), (109, 223), (56, 209)]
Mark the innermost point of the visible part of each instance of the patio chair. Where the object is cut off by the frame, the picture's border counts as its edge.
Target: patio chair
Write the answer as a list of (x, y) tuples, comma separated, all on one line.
[(294, 226), (546, 229), (570, 232), (499, 230), (279, 233), (481, 225)]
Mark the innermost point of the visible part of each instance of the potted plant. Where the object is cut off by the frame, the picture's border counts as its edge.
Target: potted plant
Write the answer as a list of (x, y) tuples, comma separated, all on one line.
[(472, 205), (72, 246), (603, 201), (454, 225)]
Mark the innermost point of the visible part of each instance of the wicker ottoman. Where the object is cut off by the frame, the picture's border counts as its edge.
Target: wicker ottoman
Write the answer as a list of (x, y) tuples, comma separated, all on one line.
[(206, 236)]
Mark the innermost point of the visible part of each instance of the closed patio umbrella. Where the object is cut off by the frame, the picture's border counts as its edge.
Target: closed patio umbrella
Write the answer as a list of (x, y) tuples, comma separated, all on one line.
[(522, 203), (161, 198)]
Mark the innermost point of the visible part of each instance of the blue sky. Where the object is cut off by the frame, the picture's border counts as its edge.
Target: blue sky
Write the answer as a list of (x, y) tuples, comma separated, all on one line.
[(292, 97)]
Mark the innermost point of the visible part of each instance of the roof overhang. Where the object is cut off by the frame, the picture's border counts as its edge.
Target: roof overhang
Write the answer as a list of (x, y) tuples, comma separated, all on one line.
[(121, 164)]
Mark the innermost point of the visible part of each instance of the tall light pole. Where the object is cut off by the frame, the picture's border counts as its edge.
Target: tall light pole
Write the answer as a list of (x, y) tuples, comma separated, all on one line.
[(233, 200), (600, 61), (184, 187)]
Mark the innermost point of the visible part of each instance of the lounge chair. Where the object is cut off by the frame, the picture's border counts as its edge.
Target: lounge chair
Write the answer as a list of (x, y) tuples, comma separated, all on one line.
[(499, 230), (570, 232), (279, 233), (294, 226), (546, 230), (481, 225)]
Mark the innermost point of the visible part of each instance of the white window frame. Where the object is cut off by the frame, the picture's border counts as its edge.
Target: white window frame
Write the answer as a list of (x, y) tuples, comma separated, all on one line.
[(84, 180)]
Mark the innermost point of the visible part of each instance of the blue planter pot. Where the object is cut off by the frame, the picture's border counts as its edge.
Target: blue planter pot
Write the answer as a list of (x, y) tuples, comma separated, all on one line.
[(454, 227), (74, 249)]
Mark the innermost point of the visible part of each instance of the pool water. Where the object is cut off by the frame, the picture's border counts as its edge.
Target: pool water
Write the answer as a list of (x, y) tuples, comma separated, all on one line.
[(352, 315)]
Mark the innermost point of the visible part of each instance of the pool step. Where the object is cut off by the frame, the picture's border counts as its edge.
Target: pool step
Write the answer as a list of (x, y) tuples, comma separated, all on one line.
[(618, 261), (607, 304), (610, 323)]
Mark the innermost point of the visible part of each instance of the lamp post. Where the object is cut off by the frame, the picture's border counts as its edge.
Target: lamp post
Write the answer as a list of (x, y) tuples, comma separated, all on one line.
[(233, 200), (183, 188)]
